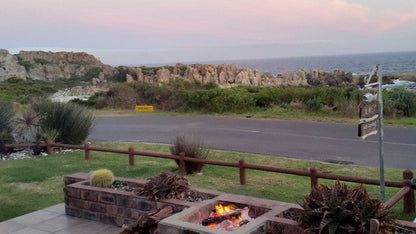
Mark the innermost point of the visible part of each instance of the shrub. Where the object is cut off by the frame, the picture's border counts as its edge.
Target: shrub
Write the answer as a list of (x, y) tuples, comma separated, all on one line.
[(347, 107), (314, 104), (92, 73), (73, 122), (102, 178), (27, 128), (27, 64), (264, 98), (400, 102), (337, 209), (121, 96), (232, 100), (192, 149), (49, 134), (6, 115)]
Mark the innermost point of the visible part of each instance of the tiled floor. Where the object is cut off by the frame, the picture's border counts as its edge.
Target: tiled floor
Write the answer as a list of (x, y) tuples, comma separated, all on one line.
[(54, 220)]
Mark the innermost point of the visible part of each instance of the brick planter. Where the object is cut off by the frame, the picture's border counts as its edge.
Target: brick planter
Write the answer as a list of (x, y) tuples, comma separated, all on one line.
[(121, 207), (112, 206)]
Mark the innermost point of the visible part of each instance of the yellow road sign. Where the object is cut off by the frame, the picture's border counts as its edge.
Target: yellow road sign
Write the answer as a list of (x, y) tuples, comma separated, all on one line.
[(144, 108)]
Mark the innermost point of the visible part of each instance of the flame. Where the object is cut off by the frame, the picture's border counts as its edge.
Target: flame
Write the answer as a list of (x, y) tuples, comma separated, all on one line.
[(231, 223), (221, 210)]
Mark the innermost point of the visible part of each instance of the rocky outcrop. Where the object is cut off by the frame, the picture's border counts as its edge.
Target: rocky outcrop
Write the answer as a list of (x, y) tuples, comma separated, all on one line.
[(49, 66), (318, 78), (229, 75), (10, 67)]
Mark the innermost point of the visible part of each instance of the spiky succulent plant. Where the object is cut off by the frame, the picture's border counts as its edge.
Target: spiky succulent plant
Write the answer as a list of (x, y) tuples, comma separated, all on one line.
[(337, 209)]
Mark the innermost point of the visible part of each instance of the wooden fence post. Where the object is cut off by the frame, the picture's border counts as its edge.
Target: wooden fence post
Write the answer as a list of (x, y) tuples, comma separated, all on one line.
[(182, 166), (131, 156), (87, 151), (314, 177), (49, 148), (409, 198), (241, 164)]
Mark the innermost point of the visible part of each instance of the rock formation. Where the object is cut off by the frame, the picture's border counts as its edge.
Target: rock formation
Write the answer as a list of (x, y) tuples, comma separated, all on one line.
[(9, 66), (40, 65), (49, 66), (230, 75)]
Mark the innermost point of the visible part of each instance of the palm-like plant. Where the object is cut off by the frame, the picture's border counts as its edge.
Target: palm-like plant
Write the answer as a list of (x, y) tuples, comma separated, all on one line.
[(26, 128)]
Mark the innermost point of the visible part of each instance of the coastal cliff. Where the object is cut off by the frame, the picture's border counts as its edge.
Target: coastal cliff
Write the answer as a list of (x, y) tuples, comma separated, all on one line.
[(49, 66)]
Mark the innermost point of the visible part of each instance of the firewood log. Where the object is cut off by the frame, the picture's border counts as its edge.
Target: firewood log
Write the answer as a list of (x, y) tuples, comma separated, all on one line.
[(163, 213), (219, 219)]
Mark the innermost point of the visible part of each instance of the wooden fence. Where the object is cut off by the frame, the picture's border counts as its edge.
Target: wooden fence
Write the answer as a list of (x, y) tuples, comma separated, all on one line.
[(406, 192)]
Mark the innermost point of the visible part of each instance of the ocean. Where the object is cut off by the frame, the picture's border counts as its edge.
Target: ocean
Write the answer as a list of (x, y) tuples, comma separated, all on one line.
[(358, 64)]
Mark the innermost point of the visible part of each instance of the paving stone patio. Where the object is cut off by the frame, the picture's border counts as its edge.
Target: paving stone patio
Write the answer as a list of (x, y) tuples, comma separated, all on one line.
[(54, 220)]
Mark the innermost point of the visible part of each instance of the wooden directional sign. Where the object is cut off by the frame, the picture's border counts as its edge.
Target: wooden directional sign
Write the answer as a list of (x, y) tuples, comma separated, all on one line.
[(368, 128), (368, 110)]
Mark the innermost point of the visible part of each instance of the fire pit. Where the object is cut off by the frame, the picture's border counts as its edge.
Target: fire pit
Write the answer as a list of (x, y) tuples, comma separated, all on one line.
[(227, 217), (224, 215)]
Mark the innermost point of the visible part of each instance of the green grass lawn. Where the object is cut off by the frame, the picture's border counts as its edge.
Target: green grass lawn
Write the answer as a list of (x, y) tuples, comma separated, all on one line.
[(32, 184)]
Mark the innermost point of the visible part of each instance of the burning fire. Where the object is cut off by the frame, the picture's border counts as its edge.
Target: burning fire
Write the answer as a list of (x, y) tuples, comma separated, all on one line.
[(227, 217)]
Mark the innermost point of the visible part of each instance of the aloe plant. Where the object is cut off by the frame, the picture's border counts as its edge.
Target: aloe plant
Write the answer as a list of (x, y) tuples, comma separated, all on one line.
[(338, 209)]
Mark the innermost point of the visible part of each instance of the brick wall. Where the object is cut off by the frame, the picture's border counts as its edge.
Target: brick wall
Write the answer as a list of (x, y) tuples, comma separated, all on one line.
[(107, 205)]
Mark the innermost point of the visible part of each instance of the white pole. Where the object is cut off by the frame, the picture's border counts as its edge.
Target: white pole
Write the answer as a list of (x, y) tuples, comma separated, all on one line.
[(381, 132)]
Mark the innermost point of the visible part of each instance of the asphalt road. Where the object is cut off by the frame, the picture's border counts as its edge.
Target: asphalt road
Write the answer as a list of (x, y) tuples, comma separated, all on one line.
[(305, 140)]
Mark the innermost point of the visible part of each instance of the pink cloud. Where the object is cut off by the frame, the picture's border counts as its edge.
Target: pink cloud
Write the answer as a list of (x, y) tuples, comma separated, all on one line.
[(240, 21)]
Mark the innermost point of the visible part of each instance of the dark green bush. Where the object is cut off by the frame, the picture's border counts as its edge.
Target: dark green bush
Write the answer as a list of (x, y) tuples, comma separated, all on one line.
[(92, 73), (27, 64), (182, 95), (264, 98), (228, 100), (399, 102), (314, 104), (41, 61), (18, 90), (337, 209), (6, 116), (192, 149), (73, 122)]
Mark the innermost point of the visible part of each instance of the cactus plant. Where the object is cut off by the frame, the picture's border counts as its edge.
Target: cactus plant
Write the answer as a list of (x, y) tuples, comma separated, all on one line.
[(102, 178)]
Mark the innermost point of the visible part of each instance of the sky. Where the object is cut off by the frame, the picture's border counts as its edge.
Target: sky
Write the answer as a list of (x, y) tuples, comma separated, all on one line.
[(167, 31)]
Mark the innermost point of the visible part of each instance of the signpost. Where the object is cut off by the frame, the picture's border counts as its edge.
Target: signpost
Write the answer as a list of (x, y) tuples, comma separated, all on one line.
[(369, 118), (144, 108)]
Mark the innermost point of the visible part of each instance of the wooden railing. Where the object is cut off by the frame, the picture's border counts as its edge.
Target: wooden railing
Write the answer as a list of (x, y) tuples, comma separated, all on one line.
[(406, 192)]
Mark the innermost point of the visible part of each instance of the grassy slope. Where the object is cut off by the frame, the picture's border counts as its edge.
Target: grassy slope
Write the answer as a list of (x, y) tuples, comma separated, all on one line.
[(31, 184)]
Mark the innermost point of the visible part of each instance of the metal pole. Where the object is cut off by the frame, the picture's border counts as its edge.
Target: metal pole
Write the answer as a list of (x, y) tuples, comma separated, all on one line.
[(381, 132)]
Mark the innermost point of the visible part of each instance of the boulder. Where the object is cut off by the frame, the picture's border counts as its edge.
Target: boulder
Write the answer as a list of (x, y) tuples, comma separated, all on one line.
[(163, 75), (10, 67), (129, 79)]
